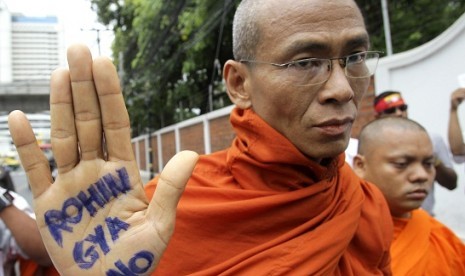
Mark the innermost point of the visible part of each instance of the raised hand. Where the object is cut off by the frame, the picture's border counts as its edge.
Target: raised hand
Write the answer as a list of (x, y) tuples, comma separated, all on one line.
[(95, 218), (457, 97)]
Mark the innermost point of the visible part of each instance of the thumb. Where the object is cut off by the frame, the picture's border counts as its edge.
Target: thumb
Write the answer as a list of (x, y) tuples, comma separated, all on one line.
[(169, 189)]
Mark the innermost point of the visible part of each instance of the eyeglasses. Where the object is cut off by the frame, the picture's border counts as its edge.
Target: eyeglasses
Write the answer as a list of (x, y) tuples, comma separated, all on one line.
[(313, 71), (392, 110)]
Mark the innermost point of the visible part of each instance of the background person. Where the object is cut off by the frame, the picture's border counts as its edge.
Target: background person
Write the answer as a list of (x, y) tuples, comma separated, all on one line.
[(396, 155), (391, 104), (456, 142), (280, 200), (20, 240)]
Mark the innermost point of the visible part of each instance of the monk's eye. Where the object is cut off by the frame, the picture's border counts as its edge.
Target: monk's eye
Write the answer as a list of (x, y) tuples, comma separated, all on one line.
[(429, 164), (400, 165)]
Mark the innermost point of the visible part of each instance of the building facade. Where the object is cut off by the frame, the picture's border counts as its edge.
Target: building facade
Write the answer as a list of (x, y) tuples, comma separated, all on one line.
[(35, 47), (30, 49)]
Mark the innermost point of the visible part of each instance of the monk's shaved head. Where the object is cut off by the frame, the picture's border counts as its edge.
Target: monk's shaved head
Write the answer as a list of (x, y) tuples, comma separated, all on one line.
[(372, 135), (396, 154), (250, 18)]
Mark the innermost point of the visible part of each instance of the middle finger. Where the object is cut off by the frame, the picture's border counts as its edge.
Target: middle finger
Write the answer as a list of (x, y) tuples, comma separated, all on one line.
[(85, 103)]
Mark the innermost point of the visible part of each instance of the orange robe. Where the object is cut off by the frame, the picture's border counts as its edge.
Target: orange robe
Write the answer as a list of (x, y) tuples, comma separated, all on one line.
[(424, 246), (31, 268), (261, 207)]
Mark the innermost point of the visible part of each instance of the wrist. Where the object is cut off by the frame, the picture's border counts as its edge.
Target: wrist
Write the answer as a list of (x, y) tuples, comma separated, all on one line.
[(6, 199)]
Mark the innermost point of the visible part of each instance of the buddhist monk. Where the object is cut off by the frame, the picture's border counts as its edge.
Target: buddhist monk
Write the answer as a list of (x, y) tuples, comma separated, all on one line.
[(396, 154)]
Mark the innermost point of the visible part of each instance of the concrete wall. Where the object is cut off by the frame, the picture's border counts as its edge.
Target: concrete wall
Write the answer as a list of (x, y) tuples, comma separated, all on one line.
[(427, 76)]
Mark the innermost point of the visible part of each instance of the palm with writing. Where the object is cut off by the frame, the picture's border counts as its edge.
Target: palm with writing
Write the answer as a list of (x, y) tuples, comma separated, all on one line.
[(95, 218)]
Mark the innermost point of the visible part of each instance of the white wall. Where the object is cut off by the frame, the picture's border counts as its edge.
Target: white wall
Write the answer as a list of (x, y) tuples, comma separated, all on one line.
[(426, 76)]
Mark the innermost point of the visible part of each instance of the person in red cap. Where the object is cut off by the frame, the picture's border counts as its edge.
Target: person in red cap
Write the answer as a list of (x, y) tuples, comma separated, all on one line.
[(391, 104)]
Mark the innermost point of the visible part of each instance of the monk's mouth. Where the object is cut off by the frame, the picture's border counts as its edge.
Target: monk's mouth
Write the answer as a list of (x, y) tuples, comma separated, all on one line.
[(417, 195)]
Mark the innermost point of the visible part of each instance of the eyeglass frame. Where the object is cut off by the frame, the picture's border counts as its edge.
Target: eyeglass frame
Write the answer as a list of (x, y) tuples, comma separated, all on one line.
[(342, 62)]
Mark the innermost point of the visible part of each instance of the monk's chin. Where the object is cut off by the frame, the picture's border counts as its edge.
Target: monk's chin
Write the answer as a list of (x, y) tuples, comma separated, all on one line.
[(334, 150), (403, 209)]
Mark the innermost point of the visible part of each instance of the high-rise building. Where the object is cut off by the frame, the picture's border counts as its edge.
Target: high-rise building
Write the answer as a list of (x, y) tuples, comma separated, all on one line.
[(30, 49), (35, 47), (30, 46), (5, 44)]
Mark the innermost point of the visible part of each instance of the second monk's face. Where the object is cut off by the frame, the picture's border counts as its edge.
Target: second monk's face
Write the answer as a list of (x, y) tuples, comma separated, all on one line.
[(402, 166)]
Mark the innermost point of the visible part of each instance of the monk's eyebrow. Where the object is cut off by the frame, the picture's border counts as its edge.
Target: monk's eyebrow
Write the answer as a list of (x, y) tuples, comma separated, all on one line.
[(301, 46), (357, 42), (318, 47), (430, 158)]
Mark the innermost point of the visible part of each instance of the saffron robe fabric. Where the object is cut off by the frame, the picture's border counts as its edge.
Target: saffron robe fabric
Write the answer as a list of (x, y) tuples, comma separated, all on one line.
[(424, 246), (31, 268), (261, 207)]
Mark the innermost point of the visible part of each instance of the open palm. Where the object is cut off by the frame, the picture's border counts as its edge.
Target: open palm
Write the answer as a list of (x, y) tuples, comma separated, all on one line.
[(95, 218)]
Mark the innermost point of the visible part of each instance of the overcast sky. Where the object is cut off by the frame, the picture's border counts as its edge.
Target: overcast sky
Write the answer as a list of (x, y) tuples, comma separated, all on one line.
[(76, 18)]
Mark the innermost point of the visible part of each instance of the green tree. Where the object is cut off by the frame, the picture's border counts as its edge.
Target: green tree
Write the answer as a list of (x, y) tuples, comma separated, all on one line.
[(412, 22), (165, 50)]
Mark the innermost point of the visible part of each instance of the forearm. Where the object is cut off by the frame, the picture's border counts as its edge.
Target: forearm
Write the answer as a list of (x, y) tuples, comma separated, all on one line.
[(26, 233), (446, 177), (456, 143)]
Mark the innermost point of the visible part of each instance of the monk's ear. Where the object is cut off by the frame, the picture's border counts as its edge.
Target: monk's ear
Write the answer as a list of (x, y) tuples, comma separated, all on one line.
[(236, 76), (359, 165)]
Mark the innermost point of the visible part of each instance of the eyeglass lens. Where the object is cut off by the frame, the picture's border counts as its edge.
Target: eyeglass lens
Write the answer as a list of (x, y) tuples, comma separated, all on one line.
[(316, 71), (393, 109)]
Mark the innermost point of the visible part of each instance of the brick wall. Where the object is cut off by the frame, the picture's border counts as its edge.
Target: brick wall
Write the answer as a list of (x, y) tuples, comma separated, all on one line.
[(192, 138), (365, 111), (154, 145), (221, 133), (168, 148), (142, 156)]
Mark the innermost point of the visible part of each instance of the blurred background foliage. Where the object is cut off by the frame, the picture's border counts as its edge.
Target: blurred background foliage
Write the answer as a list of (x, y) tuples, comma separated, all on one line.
[(169, 54)]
